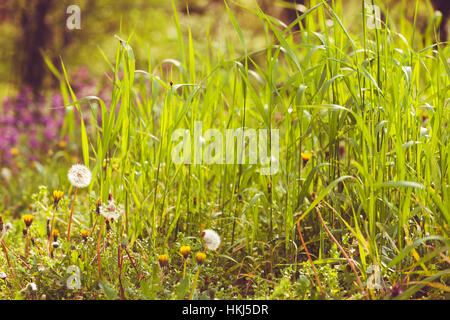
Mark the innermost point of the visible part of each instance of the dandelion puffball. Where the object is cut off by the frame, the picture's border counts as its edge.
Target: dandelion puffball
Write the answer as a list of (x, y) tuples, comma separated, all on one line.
[(211, 238), (32, 286), (79, 176), (8, 227), (110, 211)]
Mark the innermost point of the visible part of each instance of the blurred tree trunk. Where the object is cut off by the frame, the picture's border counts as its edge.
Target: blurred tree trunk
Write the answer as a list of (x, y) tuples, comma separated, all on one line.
[(444, 7), (36, 36)]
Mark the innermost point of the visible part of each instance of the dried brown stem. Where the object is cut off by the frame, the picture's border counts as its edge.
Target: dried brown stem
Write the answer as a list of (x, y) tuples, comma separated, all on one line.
[(352, 266), (7, 260), (310, 260), (98, 250)]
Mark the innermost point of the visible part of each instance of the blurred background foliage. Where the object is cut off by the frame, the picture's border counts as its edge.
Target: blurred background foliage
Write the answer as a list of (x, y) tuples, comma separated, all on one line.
[(32, 28)]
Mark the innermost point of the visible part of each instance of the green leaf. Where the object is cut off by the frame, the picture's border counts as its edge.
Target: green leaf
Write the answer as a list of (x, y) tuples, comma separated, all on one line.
[(183, 288), (410, 247), (399, 184), (109, 291), (408, 293)]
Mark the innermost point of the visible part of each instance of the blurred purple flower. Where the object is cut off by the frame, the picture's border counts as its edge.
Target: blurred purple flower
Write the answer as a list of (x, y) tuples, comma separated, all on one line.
[(31, 121)]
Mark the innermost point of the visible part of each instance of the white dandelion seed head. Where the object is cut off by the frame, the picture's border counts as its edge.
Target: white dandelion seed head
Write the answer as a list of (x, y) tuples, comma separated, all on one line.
[(79, 176), (211, 238), (110, 211), (7, 228), (2, 275), (32, 286), (6, 174)]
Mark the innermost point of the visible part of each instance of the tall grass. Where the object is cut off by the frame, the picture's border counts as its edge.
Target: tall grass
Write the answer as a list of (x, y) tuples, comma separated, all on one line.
[(371, 107)]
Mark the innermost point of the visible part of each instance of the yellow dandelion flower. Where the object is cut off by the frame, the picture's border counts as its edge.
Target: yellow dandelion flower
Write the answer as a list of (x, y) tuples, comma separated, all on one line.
[(424, 116), (84, 234), (200, 257), (55, 235), (305, 157), (185, 251), (57, 195), (163, 260), (28, 219), (14, 151), (62, 144)]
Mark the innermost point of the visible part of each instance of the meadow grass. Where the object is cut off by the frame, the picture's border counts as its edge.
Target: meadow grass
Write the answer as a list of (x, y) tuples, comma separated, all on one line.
[(363, 168)]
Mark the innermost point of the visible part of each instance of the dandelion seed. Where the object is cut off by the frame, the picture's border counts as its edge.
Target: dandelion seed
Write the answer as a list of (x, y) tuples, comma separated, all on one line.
[(8, 227), (32, 286), (6, 174), (4, 228), (211, 238), (79, 176), (110, 211)]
